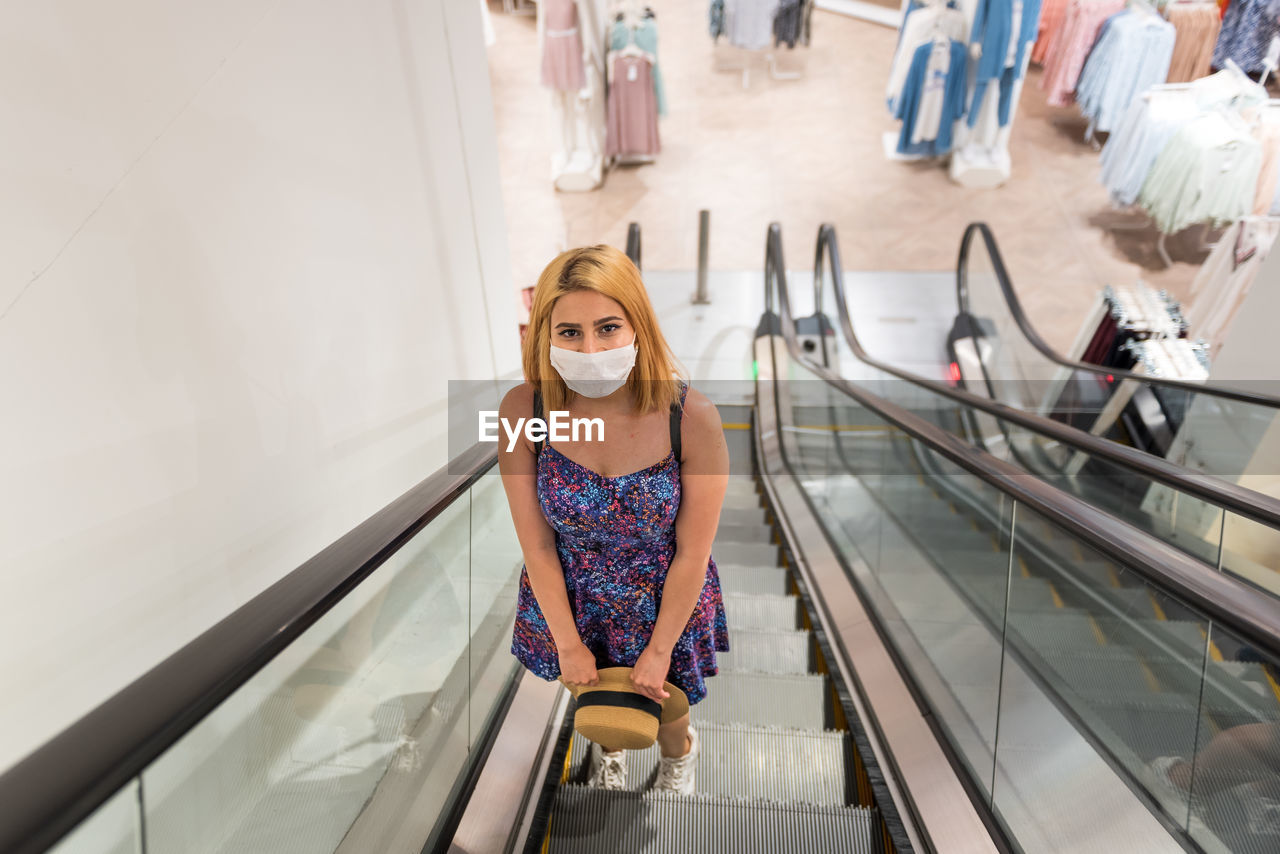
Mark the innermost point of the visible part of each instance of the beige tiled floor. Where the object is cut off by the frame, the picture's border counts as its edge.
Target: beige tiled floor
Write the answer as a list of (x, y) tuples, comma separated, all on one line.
[(809, 151)]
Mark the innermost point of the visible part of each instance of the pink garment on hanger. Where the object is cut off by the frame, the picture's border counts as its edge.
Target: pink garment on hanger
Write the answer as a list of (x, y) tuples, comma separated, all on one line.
[(633, 109), (1071, 45), (1269, 135), (561, 46), (1051, 14)]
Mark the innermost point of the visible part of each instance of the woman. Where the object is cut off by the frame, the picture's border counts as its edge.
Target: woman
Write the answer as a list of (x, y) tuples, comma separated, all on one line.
[(617, 547)]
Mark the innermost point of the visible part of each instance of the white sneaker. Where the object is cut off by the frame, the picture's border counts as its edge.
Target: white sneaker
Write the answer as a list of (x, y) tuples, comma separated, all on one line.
[(677, 774), (608, 768), (1173, 797)]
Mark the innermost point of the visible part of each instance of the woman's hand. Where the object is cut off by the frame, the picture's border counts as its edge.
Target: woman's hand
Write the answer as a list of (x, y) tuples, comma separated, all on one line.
[(649, 674), (578, 665)]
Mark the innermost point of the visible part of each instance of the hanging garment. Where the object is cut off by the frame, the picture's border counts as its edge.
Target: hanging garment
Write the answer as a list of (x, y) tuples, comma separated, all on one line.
[(1207, 173), (1268, 135), (1133, 147), (1132, 53), (1005, 29), (932, 98), (1226, 276), (1247, 30), (1066, 56), (643, 35), (788, 23), (1051, 14), (1197, 25), (920, 26), (632, 127), (749, 23), (715, 19), (561, 46)]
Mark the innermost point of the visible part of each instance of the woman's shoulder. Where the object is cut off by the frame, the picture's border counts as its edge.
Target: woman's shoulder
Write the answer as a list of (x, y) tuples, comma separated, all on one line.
[(700, 414), (517, 402)]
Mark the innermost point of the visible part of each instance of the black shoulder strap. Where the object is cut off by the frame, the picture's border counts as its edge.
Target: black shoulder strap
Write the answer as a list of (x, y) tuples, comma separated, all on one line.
[(537, 413), (676, 411)]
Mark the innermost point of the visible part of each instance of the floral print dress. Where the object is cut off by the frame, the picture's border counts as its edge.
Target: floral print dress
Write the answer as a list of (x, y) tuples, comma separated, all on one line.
[(616, 537)]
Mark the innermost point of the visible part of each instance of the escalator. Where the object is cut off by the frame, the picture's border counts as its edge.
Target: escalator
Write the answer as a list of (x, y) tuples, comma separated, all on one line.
[(1221, 522), (931, 650), (996, 352)]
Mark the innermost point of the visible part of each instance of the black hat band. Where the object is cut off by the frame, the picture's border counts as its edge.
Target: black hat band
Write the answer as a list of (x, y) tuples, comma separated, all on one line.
[(625, 699)]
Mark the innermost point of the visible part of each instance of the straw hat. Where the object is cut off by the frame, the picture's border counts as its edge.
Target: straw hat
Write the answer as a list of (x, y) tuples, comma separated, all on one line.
[(614, 713)]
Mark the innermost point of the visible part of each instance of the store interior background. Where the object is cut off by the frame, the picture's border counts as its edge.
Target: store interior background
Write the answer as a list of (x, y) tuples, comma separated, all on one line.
[(807, 151)]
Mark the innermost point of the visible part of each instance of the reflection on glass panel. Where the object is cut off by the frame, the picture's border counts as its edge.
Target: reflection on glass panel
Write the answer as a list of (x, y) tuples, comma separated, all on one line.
[(355, 732), (114, 828), (909, 516), (1232, 782), (495, 577), (1100, 667), (1251, 552)]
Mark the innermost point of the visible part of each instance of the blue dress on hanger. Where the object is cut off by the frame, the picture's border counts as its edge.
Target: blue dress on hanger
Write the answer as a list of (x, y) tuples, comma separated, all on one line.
[(953, 99), (1247, 30)]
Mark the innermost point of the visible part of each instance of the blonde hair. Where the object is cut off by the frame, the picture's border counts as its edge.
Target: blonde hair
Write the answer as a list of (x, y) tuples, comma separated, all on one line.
[(654, 379)]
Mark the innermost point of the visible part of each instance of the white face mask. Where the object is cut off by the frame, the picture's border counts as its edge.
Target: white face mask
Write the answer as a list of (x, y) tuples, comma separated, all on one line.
[(594, 374)]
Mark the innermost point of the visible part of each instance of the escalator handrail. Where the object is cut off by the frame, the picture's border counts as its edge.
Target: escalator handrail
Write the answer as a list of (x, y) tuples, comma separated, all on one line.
[(1254, 618), (1024, 325), (633, 244), (1259, 507), (61, 783)]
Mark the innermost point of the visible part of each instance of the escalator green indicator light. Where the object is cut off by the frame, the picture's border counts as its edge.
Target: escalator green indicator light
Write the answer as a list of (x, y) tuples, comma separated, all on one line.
[(755, 370)]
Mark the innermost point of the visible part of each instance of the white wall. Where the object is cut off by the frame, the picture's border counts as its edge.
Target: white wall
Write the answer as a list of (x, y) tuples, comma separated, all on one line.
[(243, 247)]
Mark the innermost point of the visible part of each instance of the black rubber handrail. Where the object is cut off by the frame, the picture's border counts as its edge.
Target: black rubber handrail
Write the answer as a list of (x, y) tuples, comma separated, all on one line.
[(1261, 508), (633, 244), (55, 788), (1024, 325), (1253, 617)]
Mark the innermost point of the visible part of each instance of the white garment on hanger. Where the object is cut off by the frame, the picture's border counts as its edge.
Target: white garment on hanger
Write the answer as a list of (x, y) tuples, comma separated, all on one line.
[(929, 112), (921, 25)]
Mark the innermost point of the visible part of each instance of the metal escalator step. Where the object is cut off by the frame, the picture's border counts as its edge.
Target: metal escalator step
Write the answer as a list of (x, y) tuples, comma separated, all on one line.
[(742, 501), (588, 821), (742, 516), (755, 554), (753, 579), (1119, 672), (767, 652), (765, 699), (760, 611), (1064, 631), (739, 761), (757, 533), (742, 485)]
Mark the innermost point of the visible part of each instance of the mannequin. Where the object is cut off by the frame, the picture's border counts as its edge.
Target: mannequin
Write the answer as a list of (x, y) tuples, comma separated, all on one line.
[(981, 158), (577, 161)]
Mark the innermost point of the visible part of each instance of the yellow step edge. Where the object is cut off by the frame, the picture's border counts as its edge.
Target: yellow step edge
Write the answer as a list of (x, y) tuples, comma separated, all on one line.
[(1155, 606), (1098, 634), (1057, 600), (1152, 682)]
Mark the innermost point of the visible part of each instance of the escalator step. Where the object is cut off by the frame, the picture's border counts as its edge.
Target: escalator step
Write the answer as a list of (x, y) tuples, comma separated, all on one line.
[(591, 820), (753, 579), (737, 761), (765, 699), (753, 515), (742, 485), (754, 534), (758, 611), (750, 554), (742, 501), (767, 652)]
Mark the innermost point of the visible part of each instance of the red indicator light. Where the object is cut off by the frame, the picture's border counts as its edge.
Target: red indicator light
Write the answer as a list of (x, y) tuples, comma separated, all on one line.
[(1111, 378), (953, 371)]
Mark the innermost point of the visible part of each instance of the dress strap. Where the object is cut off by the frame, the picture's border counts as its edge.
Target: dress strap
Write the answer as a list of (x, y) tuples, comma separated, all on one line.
[(537, 413), (677, 409)]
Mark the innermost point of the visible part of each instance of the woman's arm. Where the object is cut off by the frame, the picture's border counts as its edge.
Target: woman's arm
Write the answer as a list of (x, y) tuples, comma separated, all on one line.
[(704, 477), (519, 468)]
